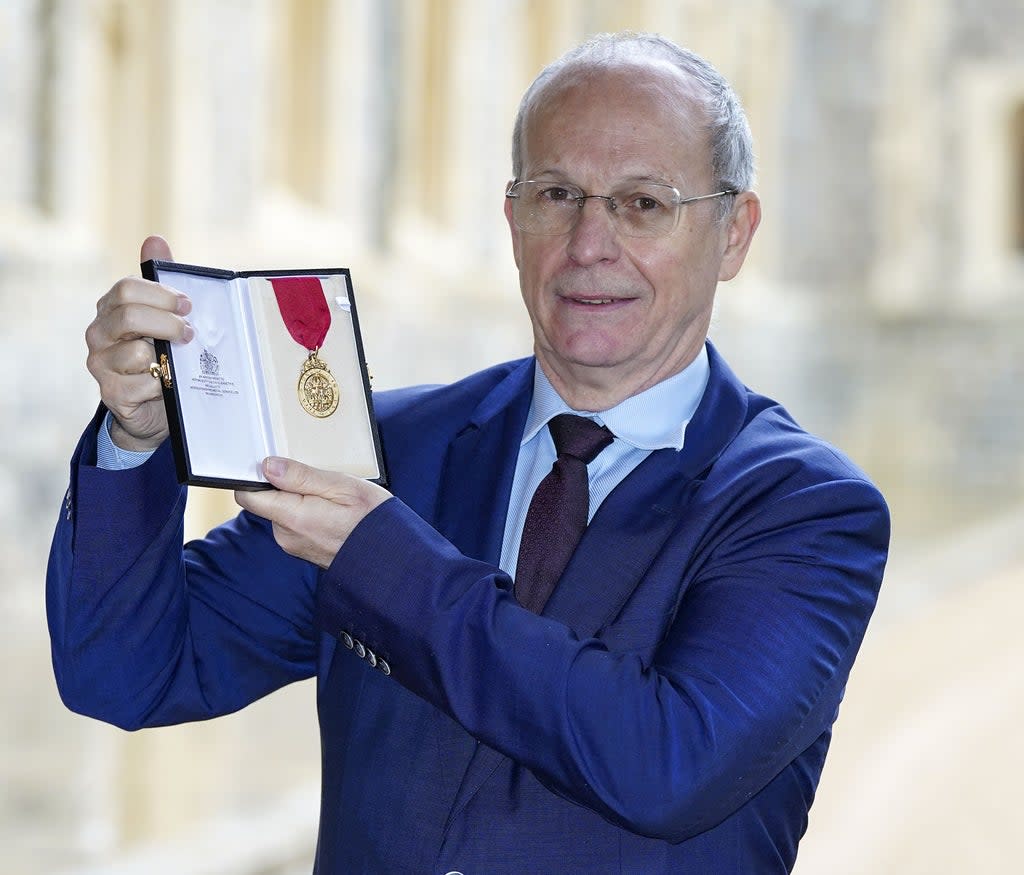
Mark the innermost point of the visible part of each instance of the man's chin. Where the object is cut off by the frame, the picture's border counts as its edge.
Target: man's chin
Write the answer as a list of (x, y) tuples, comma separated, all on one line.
[(584, 367)]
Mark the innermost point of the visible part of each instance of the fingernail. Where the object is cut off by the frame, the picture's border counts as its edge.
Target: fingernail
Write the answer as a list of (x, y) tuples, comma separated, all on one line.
[(188, 333), (274, 466), (184, 305)]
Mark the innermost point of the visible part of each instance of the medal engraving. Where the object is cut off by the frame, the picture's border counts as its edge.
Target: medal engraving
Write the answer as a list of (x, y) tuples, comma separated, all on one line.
[(318, 390)]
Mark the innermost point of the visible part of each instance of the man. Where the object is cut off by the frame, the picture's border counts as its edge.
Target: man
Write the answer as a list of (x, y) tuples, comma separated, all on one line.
[(667, 706)]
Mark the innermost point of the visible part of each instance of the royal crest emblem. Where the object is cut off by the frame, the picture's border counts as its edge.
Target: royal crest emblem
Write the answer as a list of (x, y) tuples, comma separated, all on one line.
[(209, 366)]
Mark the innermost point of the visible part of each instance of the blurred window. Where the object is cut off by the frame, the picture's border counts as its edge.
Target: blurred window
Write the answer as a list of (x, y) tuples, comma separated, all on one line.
[(1017, 197), (305, 98)]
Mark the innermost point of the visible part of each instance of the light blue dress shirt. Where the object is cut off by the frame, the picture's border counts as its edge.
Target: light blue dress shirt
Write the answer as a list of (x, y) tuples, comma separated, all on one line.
[(652, 420)]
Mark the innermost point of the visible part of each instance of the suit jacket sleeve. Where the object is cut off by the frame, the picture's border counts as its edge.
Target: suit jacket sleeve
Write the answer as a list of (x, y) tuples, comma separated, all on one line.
[(668, 743), (144, 632)]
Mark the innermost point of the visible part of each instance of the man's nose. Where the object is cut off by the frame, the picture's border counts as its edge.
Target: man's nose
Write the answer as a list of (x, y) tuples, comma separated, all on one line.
[(595, 236)]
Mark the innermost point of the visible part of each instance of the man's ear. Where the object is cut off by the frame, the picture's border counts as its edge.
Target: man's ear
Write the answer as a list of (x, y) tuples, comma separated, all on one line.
[(513, 229), (742, 223)]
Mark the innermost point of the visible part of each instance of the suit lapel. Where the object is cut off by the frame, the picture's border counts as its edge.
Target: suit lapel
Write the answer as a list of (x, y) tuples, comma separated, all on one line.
[(622, 539), (477, 475), (620, 543), (639, 515), (480, 466), (630, 527)]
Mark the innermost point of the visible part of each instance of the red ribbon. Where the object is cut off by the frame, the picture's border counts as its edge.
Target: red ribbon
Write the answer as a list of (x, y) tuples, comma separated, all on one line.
[(303, 308)]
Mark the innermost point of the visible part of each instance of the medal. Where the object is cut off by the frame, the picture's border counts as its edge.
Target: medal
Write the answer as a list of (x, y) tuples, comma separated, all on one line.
[(318, 390), (308, 319)]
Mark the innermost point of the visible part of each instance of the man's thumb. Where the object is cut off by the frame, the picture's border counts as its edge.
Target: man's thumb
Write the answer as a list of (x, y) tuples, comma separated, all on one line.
[(156, 248)]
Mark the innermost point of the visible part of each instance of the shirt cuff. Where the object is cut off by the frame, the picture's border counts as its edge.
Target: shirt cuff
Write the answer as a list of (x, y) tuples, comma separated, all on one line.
[(110, 456)]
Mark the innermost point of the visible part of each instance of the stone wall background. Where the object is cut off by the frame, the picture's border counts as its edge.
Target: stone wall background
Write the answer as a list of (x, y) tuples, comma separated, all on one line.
[(883, 302)]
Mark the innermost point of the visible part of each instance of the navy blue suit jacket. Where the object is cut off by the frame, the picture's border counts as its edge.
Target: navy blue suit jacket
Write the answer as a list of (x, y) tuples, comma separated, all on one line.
[(669, 712)]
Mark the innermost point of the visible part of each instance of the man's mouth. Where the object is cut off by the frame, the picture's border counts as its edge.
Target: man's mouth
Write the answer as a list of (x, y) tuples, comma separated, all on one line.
[(596, 300)]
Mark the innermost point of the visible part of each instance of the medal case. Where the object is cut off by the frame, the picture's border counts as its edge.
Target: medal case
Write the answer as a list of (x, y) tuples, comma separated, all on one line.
[(276, 368)]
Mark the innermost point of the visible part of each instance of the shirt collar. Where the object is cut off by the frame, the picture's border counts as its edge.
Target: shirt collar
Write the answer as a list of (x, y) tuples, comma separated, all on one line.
[(651, 420)]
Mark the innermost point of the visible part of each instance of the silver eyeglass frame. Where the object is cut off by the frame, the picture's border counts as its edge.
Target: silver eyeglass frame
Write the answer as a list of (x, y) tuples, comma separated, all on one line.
[(677, 201)]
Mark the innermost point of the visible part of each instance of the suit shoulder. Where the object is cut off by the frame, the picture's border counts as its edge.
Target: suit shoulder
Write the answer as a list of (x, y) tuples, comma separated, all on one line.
[(773, 444), (419, 405), (417, 423), (776, 477)]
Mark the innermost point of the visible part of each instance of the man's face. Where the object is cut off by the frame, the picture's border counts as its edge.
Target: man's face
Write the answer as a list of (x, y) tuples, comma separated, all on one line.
[(611, 314)]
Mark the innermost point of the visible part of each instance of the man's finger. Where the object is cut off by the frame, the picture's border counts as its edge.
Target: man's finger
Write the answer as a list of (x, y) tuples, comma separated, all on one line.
[(291, 476), (133, 290), (269, 504), (132, 391), (155, 247), (129, 357)]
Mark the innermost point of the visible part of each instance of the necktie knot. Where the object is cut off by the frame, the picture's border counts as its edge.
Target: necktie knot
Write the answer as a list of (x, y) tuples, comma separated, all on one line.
[(579, 437)]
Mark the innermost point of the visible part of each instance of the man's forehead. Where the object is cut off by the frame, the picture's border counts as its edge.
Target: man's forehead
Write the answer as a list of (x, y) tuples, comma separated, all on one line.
[(656, 77), (665, 98)]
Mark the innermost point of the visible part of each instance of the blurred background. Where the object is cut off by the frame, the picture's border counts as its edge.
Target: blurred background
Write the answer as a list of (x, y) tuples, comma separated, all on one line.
[(883, 303)]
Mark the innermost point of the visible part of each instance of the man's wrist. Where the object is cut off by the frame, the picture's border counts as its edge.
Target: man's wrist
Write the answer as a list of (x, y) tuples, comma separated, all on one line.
[(124, 440), (110, 454)]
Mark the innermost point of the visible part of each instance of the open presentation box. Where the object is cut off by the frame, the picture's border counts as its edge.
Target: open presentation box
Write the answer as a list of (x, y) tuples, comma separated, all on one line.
[(276, 368)]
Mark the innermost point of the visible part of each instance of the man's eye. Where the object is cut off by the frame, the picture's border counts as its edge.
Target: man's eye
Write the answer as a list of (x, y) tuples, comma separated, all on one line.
[(556, 193), (644, 203)]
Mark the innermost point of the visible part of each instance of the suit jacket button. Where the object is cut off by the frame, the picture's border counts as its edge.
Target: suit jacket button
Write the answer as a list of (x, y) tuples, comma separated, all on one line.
[(371, 657), (360, 650), (346, 639), (382, 664)]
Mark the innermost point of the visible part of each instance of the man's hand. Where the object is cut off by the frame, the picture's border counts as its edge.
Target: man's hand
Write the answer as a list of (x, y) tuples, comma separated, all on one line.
[(313, 511), (120, 341)]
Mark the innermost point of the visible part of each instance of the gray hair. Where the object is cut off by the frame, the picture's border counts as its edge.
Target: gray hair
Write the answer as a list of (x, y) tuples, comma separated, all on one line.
[(732, 149)]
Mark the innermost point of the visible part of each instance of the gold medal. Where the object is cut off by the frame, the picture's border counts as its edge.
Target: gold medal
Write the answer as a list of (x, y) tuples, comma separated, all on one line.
[(308, 319), (318, 390)]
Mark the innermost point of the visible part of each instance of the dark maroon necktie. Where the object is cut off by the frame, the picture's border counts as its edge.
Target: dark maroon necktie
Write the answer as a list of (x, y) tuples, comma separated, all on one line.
[(558, 511)]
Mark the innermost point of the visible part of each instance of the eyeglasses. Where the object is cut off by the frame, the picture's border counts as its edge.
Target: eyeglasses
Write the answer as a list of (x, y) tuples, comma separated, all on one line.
[(641, 209)]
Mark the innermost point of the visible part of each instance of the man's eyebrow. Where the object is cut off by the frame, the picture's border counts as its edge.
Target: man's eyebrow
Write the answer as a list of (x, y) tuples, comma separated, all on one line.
[(555, 174), (658, 179), (548, 171)]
